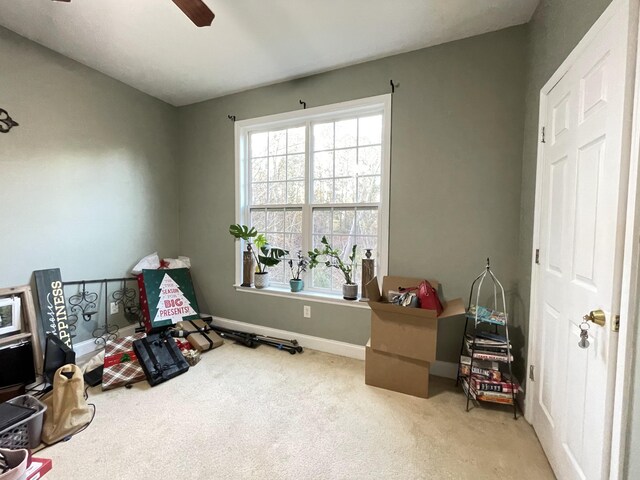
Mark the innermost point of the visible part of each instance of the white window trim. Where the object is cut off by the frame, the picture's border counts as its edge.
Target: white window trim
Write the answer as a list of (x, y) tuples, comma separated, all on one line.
[(352, 107)]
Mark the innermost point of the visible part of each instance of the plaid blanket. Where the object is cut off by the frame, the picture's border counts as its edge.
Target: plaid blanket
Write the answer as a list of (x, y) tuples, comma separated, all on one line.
[(121, 366)]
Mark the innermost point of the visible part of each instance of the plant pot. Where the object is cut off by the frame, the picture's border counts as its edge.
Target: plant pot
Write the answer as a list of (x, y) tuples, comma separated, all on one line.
[(296, 285), (350, 291), (261, 279)]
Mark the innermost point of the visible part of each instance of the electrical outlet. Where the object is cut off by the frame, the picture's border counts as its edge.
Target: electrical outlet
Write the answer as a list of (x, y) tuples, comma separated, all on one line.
[(307, 311), (115, 308)]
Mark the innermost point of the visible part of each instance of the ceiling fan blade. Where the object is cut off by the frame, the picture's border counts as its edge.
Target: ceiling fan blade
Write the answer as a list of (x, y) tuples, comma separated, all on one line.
[(197, 12)]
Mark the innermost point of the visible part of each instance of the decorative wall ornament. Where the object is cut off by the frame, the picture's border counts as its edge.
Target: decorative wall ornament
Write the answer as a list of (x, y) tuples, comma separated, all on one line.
[(128, 298), (6, 122), (93, 306), (84, 303)]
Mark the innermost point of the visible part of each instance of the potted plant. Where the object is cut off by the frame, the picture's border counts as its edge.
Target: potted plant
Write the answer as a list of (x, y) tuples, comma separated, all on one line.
[(242, 232), (332, 258), (268, 257), (297, 267), (264, 254)]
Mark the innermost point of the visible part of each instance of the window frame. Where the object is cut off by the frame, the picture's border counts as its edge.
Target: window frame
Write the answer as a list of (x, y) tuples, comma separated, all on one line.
[(332, 112)]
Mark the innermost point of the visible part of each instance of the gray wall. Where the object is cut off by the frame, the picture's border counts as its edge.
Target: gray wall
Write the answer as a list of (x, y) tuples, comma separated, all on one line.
[(455, 182), (88, 179)]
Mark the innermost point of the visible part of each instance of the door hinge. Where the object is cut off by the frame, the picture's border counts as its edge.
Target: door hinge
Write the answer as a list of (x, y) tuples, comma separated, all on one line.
[(531, 373), (537, 256), (615, 326), (543, 136)]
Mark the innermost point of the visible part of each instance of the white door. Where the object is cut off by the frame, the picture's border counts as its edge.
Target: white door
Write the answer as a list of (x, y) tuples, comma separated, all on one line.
[(582, 207)]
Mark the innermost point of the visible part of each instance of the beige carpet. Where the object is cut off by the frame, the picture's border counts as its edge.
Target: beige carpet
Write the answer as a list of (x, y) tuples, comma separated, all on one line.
[(263, 413)]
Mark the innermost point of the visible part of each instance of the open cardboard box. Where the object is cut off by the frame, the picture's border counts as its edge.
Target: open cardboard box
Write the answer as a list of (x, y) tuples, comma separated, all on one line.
[(406, 331), (397, 373)]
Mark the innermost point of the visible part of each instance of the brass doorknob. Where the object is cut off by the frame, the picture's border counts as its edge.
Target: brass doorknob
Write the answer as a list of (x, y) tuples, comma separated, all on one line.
[(595, 316)]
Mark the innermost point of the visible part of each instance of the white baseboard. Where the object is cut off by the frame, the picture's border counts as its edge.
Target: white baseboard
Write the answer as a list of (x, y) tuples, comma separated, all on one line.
[(89, 346), (315, 343), (343, 349)]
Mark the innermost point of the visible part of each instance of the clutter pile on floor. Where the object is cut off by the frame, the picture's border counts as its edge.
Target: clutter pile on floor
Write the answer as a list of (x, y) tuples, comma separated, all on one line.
[(172, 339)]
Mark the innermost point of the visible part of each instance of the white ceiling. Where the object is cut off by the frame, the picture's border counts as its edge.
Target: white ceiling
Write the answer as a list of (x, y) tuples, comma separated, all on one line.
[(152, 46)]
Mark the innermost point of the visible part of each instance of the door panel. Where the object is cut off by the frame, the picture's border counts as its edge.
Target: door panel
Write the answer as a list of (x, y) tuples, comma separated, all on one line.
[(586, 215), (549, 383)]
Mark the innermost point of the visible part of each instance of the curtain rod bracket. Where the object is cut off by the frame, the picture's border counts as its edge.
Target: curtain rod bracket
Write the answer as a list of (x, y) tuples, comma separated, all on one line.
[(393, 86), (231, 117), (304, 104)]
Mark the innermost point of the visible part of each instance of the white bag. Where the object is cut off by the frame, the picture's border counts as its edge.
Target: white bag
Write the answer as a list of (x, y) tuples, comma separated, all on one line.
[(150, 262), (17, 460)]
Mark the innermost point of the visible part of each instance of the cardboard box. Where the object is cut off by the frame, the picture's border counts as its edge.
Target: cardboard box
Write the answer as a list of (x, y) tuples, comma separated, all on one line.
[(203, 341), (405, 331), (393, 372)]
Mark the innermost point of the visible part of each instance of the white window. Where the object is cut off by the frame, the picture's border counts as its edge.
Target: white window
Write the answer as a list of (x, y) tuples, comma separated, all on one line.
[(317, 172)]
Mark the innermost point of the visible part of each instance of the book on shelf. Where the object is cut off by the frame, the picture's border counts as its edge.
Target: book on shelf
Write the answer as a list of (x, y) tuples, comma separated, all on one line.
[(465, 386), (481, 368), (488, 315), (487, 346), (481, 354), (491, 337), (504, 386), (482, 340), (506, 398), (495, 397)]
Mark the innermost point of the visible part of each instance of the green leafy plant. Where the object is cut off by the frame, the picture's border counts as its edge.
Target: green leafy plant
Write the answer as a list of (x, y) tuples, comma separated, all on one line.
[(298, 266), (243, 232), (271, 256), (331, 257), (264, 254)]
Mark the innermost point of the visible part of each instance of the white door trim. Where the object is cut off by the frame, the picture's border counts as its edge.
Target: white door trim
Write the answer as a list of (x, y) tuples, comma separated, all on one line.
[(631, 262), (630, 288)]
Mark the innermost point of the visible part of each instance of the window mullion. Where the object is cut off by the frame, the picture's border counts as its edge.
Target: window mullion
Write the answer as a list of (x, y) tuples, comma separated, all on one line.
[(307, 223)]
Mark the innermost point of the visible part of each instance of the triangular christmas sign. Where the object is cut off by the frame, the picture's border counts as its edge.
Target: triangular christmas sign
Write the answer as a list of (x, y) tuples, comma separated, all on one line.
[(172, 304), (170, 297)]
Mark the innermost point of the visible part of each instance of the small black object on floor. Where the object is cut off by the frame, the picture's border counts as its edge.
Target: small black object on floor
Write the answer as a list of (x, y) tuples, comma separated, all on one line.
[(252, 340), (160, 358), (93, 377)]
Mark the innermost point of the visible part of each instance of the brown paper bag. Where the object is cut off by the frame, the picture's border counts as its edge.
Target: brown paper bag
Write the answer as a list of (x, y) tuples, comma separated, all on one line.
[(67, 410)]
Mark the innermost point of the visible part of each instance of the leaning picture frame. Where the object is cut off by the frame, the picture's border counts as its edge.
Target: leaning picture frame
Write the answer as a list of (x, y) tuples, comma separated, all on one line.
[(10, 315)]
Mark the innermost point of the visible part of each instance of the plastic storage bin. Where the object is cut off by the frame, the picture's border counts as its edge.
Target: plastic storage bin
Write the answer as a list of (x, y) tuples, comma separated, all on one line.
[(28, 432)]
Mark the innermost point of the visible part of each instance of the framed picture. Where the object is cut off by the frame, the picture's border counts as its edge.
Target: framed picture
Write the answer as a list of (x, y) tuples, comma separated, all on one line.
[(10, 318)]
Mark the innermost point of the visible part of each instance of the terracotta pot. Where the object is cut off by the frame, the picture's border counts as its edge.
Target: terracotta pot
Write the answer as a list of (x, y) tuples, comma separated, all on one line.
[(261, 279), (350, 291)]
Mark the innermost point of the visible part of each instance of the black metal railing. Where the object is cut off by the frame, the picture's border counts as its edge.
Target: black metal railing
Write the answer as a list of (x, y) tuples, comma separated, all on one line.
[(91, 303)]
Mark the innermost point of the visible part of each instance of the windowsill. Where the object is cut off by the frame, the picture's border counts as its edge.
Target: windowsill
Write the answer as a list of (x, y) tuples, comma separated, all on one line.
[(304, 295)]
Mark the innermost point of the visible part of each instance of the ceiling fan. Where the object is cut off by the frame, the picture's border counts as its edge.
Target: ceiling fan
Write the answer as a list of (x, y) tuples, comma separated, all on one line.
[(196, 10)]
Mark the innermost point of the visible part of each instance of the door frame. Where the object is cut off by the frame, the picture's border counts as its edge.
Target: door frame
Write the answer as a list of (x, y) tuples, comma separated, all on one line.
[(629, 282)]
